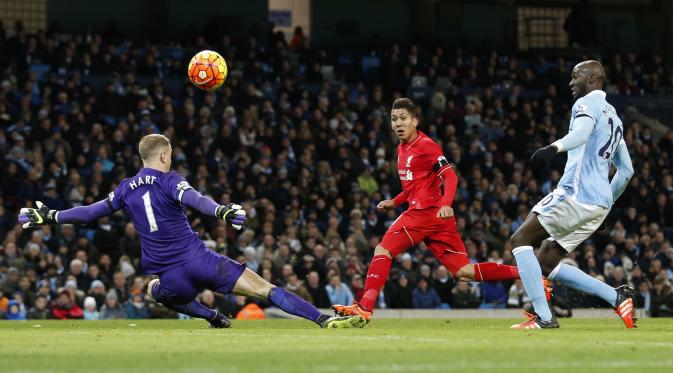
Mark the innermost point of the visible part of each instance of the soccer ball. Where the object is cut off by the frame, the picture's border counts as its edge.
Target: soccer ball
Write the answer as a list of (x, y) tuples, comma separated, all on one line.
[(207, 70)]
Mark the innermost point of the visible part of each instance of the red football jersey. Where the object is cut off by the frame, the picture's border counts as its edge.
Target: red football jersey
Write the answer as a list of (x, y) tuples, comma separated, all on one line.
[(420, 163)]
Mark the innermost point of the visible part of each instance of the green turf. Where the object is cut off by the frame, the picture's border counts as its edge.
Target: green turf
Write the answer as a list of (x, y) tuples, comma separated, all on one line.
[(299, 346)]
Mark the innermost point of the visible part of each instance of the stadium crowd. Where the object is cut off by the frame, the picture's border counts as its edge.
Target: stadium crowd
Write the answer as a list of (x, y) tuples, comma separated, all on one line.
[(309, 155)]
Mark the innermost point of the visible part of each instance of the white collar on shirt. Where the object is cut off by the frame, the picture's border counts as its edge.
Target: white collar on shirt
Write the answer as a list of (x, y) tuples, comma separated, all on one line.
[(596, 92)]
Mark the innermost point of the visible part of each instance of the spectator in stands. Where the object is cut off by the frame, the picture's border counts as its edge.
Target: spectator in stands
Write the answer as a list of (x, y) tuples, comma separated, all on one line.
[(136, 307), (463, 296), (119, 285), (443, 283), (425, 296), (517, 296), (91, 309), (338, 292), (112, 309), (80, 277), (249, 254), (643, 297), (493, 295), (11, 283), (129, 245), (65, 307), (297, 287), (662, 297), (16, 310), (357, 286), (317, 291), (97, 292), (40, 311), (400, 295)]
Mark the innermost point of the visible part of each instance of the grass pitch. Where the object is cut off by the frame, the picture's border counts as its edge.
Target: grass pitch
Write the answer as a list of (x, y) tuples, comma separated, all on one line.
[(299, 346)]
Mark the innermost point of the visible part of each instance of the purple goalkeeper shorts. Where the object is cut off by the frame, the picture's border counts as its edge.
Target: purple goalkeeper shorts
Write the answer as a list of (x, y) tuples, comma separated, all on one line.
[(180, 285)]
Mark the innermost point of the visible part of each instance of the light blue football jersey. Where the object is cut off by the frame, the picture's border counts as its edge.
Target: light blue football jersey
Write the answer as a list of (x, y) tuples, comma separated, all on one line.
[(586, 175)]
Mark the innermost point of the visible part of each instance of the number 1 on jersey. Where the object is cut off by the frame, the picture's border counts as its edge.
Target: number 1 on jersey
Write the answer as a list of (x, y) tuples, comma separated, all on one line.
[(149, 212)]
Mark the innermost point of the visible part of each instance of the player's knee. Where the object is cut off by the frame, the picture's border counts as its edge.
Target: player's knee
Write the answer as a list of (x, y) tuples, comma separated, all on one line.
[(546, 270), (380, 250), (176, 299), (165, 295), (465, 277), (465, 274), (518, 239), (150, 287), (547, 264)]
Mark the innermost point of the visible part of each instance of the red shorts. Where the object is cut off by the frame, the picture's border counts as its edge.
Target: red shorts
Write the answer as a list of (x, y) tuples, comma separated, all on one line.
[(440, 235)]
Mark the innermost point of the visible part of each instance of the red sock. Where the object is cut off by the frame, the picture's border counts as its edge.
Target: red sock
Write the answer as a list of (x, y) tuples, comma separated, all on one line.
[(376, 278), (489, 271)]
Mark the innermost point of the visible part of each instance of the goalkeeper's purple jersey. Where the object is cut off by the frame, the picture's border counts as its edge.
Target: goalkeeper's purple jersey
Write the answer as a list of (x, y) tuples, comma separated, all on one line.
[(152, 199)]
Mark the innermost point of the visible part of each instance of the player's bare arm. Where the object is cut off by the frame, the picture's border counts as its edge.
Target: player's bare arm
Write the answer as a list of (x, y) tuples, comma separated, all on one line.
[(622, 161), (445, 212), (449, 184), (387, 204)]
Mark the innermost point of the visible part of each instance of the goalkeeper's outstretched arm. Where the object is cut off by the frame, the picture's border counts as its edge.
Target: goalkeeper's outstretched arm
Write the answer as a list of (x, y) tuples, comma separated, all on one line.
[(231, 213), (42, 215)]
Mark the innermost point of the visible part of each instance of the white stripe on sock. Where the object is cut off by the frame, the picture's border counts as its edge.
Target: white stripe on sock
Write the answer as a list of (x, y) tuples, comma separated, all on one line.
[(521, 249), (553, 273)]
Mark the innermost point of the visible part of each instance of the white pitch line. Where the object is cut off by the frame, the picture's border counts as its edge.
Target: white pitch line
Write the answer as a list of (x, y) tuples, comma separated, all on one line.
[(402, 367), (350, 337)]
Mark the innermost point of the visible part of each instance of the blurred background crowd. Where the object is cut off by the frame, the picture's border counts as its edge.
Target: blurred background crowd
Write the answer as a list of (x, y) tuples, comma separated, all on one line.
[(300, 135)]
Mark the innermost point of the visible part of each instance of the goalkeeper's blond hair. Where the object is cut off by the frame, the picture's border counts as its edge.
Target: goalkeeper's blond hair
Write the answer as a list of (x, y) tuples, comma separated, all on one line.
[(151, 145)]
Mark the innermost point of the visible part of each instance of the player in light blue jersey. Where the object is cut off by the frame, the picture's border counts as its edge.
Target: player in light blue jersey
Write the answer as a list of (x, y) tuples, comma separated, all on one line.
[(580, 202)]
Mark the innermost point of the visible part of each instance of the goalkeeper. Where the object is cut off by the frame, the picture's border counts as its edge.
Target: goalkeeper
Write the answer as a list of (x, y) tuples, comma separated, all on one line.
[(154, 199)]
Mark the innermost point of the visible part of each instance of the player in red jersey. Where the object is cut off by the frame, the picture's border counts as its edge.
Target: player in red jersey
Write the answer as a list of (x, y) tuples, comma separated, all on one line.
[(429, 185)]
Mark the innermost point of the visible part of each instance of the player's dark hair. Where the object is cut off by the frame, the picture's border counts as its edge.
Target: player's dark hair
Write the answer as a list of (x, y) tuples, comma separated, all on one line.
[(405, 103)]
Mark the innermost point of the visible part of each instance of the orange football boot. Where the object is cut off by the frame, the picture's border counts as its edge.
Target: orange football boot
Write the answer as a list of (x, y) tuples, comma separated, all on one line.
[(546, 284), (534, 322), (352, 310)]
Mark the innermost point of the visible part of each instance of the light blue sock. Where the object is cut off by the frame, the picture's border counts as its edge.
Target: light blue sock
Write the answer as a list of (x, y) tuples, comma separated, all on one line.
[(531, 276), (573, 277)]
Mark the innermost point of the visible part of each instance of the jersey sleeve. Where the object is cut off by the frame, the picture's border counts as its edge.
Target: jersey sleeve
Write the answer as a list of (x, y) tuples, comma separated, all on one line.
[(584, 107), (176, 185), (115, 199)]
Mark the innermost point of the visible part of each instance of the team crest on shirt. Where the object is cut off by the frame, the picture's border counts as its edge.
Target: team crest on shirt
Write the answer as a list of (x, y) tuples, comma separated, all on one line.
[(409, 161), (183, 185)]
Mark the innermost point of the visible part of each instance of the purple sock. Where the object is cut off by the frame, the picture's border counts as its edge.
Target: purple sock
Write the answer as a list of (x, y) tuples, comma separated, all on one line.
[(292, 304), (193, 309)]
